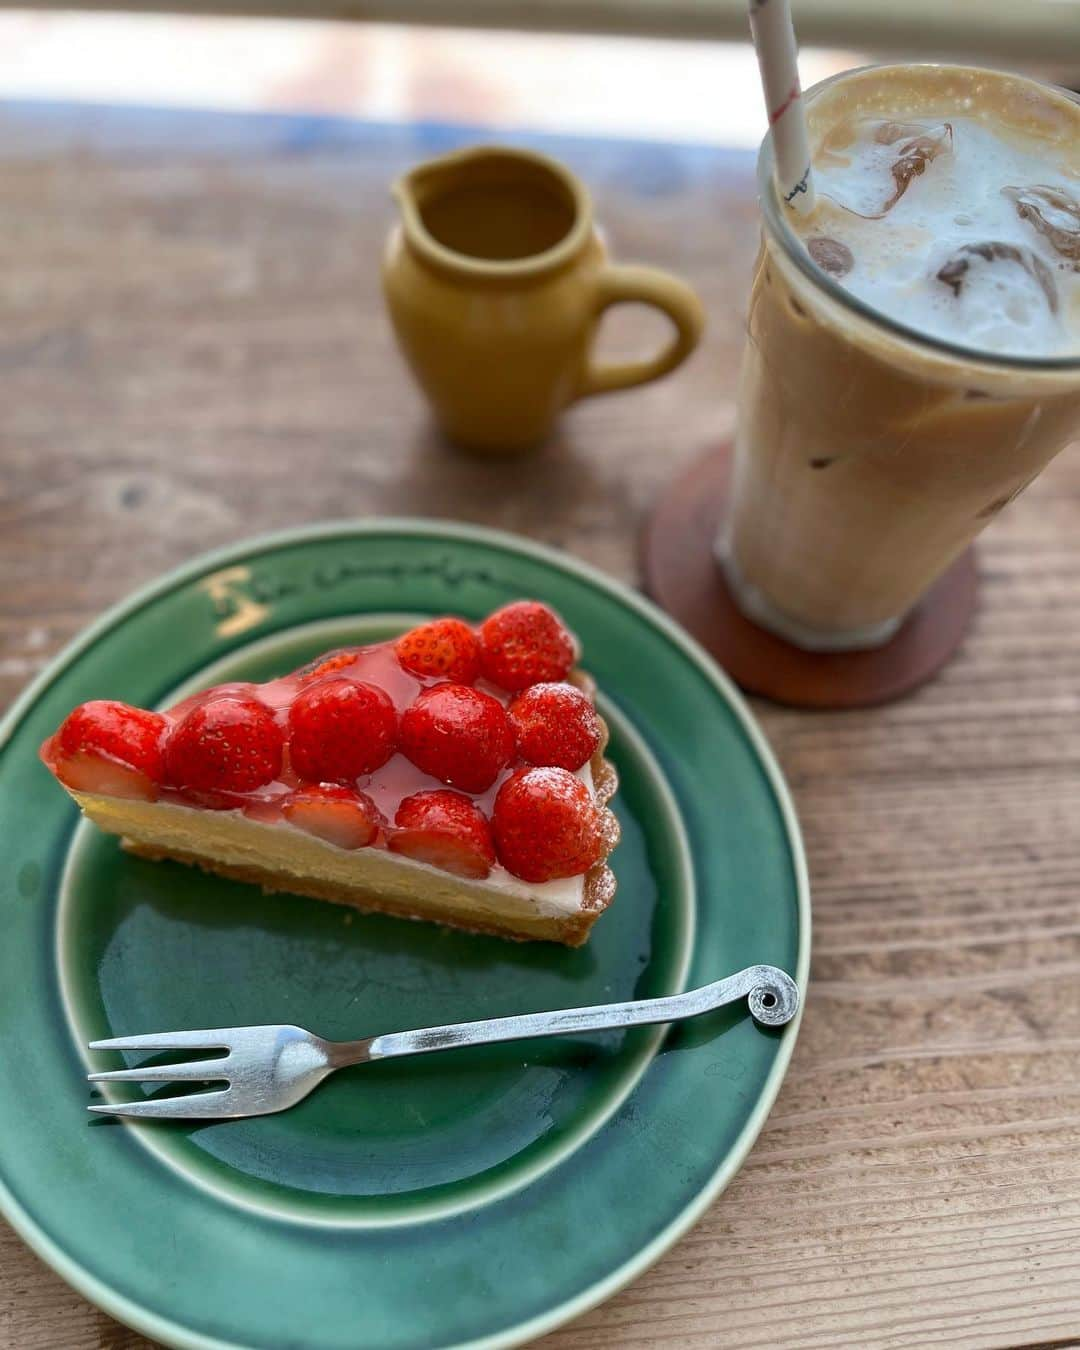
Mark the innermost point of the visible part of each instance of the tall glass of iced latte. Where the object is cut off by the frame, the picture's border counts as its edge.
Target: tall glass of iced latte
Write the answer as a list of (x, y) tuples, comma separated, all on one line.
[(914, 345)]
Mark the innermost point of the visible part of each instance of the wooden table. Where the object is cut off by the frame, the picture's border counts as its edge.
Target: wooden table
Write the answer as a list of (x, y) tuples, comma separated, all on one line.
[(193, 348)]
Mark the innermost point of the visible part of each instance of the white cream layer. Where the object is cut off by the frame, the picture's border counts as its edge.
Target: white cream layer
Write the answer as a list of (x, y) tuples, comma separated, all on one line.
[(555, 898)]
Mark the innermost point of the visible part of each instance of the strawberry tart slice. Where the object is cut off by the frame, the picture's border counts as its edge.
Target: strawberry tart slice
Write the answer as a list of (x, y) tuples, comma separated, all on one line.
[(456, 774)]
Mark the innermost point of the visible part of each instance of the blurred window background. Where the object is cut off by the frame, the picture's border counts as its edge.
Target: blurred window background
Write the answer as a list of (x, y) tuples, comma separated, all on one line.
[(678, 70)]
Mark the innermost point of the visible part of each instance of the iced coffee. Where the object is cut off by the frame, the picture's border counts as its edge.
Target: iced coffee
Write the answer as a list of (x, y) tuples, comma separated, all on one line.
[(913, 358)]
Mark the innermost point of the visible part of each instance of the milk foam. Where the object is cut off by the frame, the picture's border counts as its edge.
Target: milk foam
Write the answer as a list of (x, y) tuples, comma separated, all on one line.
[(1020, 297)]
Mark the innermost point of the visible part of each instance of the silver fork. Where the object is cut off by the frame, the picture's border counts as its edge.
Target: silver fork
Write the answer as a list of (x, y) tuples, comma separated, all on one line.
[(270, 1068)]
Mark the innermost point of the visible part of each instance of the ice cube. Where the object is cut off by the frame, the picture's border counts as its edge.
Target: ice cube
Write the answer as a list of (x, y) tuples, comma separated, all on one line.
[(874, 163), (955, 271), (831, 255), (888, 133), (1054, 214), (914, 154)]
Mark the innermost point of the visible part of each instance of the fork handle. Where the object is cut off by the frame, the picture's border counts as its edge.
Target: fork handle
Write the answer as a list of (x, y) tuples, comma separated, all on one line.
[(772, 995)]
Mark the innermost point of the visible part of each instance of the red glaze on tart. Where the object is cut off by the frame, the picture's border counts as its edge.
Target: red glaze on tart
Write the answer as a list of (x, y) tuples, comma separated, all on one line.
[(464, 747)]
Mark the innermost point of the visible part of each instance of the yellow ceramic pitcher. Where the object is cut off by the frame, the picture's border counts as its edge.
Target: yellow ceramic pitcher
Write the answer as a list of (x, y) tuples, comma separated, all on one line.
[(496, 280)]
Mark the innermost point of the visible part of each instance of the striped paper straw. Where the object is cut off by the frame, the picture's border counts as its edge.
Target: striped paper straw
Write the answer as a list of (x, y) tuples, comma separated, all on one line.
[(774, 42)]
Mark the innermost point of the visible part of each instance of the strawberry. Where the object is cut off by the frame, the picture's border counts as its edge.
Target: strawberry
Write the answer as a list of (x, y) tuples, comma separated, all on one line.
[(546, 825), (341, 729), (447, 648), (525, 643), (85, 771), (555, 724), (447, 830), (328, 664), (340, 815), (226, 745), (457, 734), (111, 749)]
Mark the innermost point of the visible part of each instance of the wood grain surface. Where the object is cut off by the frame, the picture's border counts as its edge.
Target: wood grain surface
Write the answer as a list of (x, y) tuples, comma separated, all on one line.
[(193, 348)]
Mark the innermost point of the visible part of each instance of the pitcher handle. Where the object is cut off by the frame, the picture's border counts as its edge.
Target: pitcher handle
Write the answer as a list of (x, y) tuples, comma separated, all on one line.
[(620, 284)]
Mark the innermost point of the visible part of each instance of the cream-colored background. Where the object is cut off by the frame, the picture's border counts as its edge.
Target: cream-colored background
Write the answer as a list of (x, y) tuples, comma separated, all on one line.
[(387, 72)]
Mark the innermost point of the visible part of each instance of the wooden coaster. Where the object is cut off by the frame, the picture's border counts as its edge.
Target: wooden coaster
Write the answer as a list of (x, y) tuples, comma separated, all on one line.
[(682, 575)]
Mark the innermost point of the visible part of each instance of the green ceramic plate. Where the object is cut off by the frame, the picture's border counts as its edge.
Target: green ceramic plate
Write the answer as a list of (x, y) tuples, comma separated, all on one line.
[(477, 1198)]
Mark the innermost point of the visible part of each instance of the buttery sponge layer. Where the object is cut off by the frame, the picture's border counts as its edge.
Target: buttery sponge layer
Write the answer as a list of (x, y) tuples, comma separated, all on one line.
[(284, 859)]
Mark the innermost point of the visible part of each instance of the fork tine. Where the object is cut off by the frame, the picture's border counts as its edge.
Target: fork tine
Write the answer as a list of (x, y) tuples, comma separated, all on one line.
[(169, 1040), (161, 1073), (162, 1108)]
